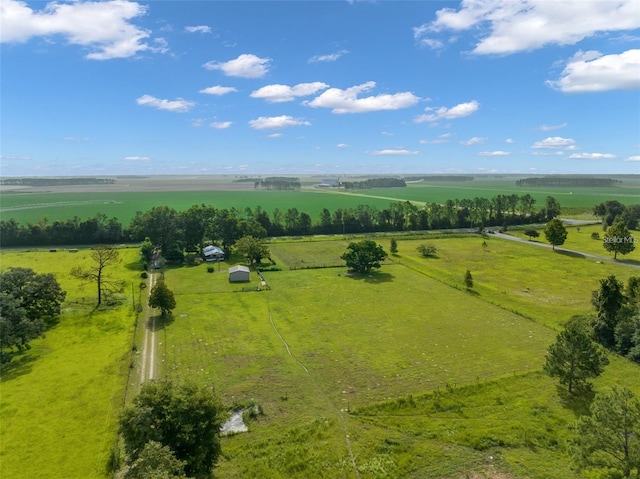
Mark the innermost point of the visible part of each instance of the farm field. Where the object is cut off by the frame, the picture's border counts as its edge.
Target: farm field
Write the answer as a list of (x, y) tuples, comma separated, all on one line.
[(61, 399), (402, 373), (123, 200), (578, 200)]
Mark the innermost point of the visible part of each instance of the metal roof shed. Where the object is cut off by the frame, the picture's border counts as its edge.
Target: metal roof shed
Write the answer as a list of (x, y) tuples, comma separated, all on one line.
[(238, 274)]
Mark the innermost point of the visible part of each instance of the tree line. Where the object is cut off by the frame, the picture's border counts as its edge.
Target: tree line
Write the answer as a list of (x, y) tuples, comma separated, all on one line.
[(568, 181), (73, 180), (189, 230)]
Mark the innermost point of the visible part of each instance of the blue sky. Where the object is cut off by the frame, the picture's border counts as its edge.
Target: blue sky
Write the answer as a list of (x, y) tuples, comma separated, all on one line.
[(328, 87)]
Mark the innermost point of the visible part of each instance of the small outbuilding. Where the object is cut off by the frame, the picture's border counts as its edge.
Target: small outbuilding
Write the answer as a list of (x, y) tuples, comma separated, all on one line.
[(238, 274), (213, 253)]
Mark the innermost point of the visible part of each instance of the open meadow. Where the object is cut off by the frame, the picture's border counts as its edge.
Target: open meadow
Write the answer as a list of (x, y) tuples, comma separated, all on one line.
[(402, 373), (61, 399)]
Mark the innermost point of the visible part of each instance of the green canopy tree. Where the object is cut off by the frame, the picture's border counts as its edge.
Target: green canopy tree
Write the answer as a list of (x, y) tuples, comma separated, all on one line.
[(575, 357), (162, 297), (185, 418), (617, 239), (27, 301), (156, 462), (364, 256), (609, 437), (609, 301), (555, 232), (468, 280), (254, 249)]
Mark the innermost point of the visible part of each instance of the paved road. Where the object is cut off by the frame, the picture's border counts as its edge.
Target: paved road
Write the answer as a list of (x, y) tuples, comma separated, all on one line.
[(569, 251)]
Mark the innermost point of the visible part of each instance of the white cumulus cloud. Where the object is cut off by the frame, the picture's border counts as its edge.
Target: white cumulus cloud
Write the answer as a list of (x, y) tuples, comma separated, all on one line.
[(218, 90), (476, 140), (510, 26), (591, 156), (444, 113), (592, 71), (494, 153), (246, 65), (178, 105), (105, 28), (198, 29), (331, 57), (282, 93), (347, 101), (397, 151), (136, 158), (552, 127), (554, 142), (221, 125), (276, 122), (633, 158)]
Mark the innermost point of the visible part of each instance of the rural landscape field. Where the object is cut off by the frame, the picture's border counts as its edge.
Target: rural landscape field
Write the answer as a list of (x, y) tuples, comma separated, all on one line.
[(348, 239), (404, 371)]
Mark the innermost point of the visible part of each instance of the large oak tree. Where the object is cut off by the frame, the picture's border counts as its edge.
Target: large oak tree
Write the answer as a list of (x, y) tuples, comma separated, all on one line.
[(363, 256)]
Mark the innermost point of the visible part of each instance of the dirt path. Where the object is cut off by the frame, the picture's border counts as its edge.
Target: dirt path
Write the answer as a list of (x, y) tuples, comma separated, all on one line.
[(148, 355)]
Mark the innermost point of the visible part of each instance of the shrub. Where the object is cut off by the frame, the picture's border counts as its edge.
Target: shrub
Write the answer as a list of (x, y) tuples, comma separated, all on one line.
[(427, 249), (210, 269), (595, 235), (144, 275)]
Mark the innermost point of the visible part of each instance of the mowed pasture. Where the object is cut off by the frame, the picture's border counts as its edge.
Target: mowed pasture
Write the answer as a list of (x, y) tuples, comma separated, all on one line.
[(61, 399), (402, 373)]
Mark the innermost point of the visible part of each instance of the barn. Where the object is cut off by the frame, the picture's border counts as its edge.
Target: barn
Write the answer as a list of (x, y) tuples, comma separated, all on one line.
[(238, 274)]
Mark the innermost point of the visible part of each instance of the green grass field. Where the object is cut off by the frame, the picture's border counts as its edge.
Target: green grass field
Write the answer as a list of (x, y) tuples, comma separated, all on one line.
[(61, 399), (32, 207), (579, 239), (399, 374), (63, 205), (575, 200), (459, 371)]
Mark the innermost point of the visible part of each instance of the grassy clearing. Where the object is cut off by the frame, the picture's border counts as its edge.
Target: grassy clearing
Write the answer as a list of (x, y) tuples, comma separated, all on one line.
[(361, 345), (548, 287), (402, 373), (61, 399), (579, 239)]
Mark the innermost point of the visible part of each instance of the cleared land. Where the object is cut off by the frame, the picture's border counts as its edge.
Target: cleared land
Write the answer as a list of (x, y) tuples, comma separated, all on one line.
[(61, 399)]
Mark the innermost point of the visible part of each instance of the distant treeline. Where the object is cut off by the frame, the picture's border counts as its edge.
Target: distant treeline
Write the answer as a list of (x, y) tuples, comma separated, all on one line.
[(74, 180), (447, 178), (176, 231), (278, 183), (373, 183), (568, 181)]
